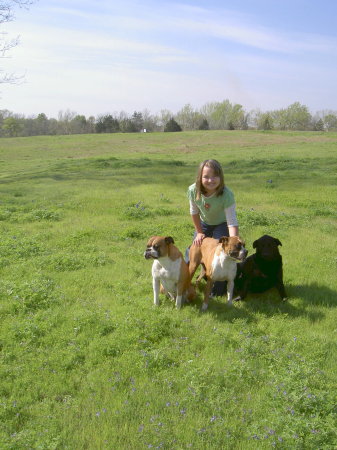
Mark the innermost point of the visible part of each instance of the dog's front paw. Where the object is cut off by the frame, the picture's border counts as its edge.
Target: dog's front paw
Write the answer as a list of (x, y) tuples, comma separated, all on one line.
[(204, 307), (285, 299), (237, 299)]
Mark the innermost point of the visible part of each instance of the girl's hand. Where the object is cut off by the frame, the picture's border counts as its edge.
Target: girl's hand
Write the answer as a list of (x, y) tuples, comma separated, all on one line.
[(198, 239)]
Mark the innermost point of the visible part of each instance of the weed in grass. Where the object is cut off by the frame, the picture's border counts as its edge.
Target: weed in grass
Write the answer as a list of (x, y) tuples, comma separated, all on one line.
[(64, 263), (5, 214), (79, 237), (30, 295), (132, 233), (16, 214), (19, 247), (251, 218), (325, 211), (164, 199), (43, 214), (162, 212), (137, 211), (140, 211)]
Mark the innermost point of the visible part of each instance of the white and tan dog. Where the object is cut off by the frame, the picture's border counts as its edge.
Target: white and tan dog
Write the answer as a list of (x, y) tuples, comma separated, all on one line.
[(219, 259), (169, 270)]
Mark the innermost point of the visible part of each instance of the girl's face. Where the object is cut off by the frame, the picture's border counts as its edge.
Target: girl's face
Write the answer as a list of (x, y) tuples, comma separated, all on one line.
[(209, 180)]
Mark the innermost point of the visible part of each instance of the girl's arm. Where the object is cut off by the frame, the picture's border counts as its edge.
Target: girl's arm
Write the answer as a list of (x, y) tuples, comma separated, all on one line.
[(197, 225), (194, 211), (232, 221), (233, 230)]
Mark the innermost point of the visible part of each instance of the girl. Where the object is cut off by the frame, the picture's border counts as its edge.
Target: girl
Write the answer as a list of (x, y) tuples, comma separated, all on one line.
[(212, 208)]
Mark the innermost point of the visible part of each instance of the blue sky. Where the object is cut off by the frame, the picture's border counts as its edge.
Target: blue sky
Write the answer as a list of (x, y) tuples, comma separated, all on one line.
[(97, 57)]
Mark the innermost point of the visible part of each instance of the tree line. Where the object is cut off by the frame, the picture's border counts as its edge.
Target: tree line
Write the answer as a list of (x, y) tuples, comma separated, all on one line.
[(212, 116)]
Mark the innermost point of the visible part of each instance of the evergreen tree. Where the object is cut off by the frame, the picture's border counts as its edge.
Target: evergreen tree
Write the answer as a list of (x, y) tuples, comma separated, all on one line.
[(138, 121), (107, 124), (319, 125), (172, 125)]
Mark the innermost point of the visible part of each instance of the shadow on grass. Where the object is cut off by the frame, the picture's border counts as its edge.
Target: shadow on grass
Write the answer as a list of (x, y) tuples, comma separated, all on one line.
[(269, 304)]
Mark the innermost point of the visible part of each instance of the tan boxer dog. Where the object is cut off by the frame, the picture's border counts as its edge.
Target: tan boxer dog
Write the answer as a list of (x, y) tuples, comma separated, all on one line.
[(219, 258), (169, 270)]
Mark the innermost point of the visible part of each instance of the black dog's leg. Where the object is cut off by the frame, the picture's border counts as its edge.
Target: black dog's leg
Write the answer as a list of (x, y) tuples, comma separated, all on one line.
[(280, 286), (241, 288), (245, 287), (243, 279)]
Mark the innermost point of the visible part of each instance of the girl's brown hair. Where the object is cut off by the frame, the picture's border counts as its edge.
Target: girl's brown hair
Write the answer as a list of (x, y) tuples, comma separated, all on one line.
[(217, 169)]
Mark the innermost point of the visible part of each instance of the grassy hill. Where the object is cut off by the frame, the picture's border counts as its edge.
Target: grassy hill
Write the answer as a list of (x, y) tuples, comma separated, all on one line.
[(87, 361)]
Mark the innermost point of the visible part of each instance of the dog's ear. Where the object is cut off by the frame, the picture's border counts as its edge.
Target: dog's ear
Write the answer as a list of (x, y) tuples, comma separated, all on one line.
[(256, 243), (224, 240), (277, 242), (169, 240)]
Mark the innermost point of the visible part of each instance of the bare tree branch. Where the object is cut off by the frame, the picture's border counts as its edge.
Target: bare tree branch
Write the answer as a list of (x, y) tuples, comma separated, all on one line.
[(7, 15)]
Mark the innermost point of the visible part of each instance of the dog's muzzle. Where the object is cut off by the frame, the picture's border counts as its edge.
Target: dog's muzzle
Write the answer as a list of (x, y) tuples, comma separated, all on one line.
[(239, 256), (151, 253), (243, 254)]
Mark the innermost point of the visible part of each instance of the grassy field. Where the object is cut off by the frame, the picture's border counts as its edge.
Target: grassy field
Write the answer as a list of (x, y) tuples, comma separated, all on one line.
[(87, 361)]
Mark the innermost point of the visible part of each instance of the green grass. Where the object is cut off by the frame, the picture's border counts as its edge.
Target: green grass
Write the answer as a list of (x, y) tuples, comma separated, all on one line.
[(87, 361)]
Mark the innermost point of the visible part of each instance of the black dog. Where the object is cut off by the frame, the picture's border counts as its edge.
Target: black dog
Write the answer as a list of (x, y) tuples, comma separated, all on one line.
[(261, 271)]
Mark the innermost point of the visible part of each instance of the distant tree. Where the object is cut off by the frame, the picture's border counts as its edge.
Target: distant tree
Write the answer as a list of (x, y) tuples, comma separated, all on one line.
[(188, 118), (113, 125), (172, 125), (128, 126), (64, 121), (151, 123), (138, 121), (107, 124), (224, 115), (231, 125), (28, 126), (164, 116), (78, 125), (99, 126), (91, 124), (265, 122), (253, 117), (41, 124), (11, 126), (245, 121), (53, 126), (217, 114), (204, 125), (319, 125), (236, 117), (295, 117), (330, 121), (4, 113)]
